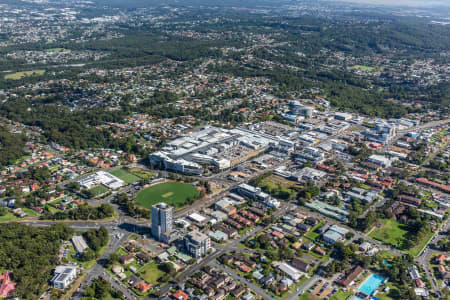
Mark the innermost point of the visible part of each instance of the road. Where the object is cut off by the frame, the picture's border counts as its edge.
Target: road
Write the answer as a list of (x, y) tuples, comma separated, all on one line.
[(226, 248), (127, 225), (305, 286), (419, 128), (98, 268), (426, 254)]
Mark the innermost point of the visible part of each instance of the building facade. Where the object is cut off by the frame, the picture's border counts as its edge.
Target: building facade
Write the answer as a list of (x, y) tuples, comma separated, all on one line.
[(162, 219), (197, 244)]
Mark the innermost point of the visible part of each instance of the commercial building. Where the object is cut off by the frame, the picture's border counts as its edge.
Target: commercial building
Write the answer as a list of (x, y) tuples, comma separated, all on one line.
[(380, 160), (79, 244), (211, 146), (350, 278), (197, 244), (290, 271), (162, 219), (101, 178), (382, 132), (342, 116), (298, 109), (252, 192), (334, 234), (64, 276), (367, 196), (328, 210)]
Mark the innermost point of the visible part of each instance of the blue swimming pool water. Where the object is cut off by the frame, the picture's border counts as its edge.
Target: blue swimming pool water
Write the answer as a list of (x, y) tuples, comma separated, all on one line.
[(385, 262), (371, 284)]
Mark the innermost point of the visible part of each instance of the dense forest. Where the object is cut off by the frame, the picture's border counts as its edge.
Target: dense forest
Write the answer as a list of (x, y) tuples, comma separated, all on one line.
[(73, 129), (11, 146), (31, 254), (82, 212)]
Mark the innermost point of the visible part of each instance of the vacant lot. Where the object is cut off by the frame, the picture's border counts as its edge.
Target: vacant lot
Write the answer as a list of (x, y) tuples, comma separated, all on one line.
[(151, 273), (172, 193), (391, 232), (364, 68), (143, 173), (125, 175), (20, 75)]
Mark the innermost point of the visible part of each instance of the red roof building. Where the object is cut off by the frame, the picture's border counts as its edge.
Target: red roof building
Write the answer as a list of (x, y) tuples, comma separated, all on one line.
[(180, 295)]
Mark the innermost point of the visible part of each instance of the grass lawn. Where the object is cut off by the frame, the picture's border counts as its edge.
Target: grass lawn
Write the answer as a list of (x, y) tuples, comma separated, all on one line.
[(312, 234), (98, 190), (341, 295), (151, 273), (364, 68), (143, 173), (391, 232), (392, 294), (125, 175), (20, 75), (172, 193), (57, 50), (277, 180), (307, 296), (8, 217), (30, 212), (414, 251)]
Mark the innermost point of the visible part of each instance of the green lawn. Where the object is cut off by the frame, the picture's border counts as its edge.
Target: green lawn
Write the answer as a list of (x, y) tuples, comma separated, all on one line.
[(151, 273), (8, 217), (20, 75), (172, 193), (341, 295), (98, 190), (312, 234), (414, 251), (391, 232), (143, 173), (57, 50), (125, 175), (30, 212), (364, 68), (392, 294)]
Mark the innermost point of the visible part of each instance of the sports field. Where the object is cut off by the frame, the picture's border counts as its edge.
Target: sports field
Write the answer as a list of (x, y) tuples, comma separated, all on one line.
[(172, 193), (125, 175)]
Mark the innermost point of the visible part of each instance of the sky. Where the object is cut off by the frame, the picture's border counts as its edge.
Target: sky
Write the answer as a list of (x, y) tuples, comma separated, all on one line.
[(415, 3)]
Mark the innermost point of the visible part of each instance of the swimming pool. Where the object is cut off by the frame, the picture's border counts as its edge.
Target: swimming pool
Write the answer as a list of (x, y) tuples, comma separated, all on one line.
[(371, 284)]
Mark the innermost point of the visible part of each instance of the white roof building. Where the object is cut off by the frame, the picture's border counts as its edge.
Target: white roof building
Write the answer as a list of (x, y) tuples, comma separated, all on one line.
[(64, 276), (290, 271)]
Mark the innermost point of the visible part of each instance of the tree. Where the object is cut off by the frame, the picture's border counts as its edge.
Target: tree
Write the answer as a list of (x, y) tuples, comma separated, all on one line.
[(74, 186), (3, 211), (34, 254), (168, 268)]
